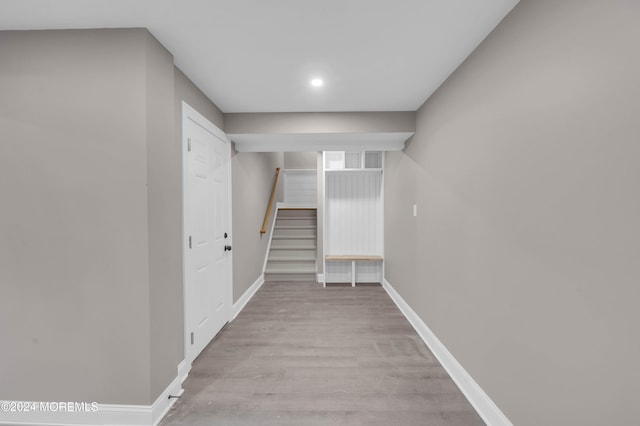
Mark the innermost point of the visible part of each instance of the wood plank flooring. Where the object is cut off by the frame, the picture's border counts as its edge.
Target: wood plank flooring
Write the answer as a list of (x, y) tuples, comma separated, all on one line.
[(299, 354)]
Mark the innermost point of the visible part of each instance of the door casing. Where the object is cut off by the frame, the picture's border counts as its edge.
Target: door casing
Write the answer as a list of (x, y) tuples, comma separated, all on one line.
[(189, 113)]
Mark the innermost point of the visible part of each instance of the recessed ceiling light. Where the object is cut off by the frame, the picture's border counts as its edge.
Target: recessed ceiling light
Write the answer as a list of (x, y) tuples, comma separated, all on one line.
[(316, 82)]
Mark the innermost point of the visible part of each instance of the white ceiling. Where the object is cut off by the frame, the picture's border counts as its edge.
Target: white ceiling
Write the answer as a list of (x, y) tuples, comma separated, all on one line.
[(259, 55)]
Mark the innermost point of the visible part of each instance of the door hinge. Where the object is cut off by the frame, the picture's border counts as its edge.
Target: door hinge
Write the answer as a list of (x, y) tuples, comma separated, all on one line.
[(189, 144), (192, 338), (189, 241)]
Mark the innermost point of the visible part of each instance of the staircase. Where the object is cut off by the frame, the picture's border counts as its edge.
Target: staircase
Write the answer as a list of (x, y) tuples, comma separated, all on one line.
[(293, 246)]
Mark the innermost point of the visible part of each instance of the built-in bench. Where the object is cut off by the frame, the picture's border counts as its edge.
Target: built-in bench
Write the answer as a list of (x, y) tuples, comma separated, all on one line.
[(353, 259)]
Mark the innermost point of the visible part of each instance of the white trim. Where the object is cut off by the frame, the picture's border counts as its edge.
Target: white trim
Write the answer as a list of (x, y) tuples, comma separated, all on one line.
[(183, 149), (163, 404), (382, 185), (246, 297), (324, 219), (184, 368), (484, 406), (190, 113), (229, 223), (107, 414), (273, 226)]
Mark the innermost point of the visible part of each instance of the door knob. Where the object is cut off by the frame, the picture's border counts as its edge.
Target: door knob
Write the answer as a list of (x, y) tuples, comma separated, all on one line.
[(227, 248)]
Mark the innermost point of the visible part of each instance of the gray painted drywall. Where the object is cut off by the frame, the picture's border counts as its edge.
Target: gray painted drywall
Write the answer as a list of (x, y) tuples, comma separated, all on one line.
[(300, 160), (74, 235), (92, 243), (253, 175), (523, 258), (164, 196), (320, 122), (188, 92)]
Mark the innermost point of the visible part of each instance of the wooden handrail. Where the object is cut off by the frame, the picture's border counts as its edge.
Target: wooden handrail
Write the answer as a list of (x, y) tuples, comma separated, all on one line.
[(271, 200)]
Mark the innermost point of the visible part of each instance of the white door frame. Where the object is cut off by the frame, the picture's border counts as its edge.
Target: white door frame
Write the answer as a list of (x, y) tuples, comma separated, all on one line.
[(189, 113)]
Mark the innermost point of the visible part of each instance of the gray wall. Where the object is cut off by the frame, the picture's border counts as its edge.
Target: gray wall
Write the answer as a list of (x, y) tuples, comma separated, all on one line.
[(91, 240), (164, 173), (320, 122), (253, 175), (300, 160), (91, 229), (74, 234), (188, 92), (524, 256)]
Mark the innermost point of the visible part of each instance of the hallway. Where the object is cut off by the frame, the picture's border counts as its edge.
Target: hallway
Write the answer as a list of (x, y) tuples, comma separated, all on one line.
[(299, 354)]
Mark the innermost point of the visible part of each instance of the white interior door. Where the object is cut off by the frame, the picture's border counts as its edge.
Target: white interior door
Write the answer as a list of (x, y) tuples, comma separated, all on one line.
[(207, 231)]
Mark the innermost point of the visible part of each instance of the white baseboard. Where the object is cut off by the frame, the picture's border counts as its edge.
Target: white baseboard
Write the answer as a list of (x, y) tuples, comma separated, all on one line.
[(244, 299), (163, 403), (106, 414), (183, 370), (480, 401)]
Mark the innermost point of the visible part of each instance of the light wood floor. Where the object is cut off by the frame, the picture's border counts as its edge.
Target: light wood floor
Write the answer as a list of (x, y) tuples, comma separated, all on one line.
[(299, 354)]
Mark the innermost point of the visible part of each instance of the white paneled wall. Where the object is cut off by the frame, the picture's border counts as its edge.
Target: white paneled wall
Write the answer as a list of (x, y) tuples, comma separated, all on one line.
[(353, 217), (300, 188), (338, 272), (353, 212), (369, 272), (366, 271)]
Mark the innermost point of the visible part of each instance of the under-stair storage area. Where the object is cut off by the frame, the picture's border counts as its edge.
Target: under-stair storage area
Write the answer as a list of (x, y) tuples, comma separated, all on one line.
[(353, 217), (292, 255)]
